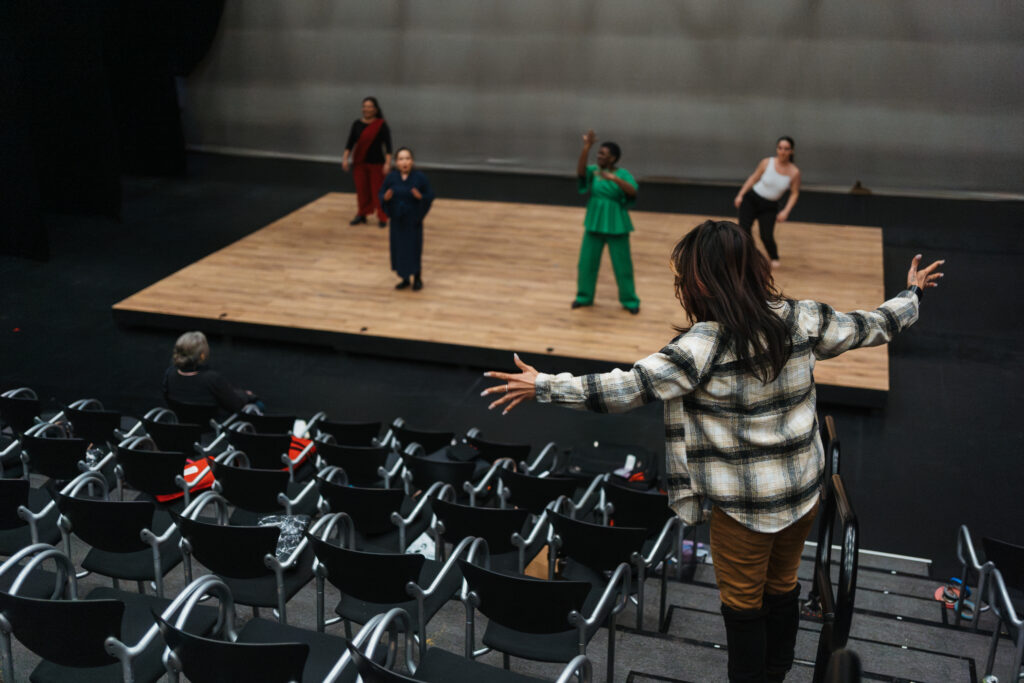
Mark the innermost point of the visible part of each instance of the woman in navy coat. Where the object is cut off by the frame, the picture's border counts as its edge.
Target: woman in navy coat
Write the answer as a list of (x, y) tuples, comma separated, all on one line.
[(406, 197)]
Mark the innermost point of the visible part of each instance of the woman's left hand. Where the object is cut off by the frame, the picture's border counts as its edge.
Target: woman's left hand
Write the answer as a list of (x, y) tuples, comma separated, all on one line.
[(782, 216), (517, 387), (607, 175), (417, 194)]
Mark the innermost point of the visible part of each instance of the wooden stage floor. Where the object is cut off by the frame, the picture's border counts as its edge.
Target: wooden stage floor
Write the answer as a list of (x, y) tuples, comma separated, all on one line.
[(498, 277)]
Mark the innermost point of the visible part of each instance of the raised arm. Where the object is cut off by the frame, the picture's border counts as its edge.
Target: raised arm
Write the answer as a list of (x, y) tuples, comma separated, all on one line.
[(794, 192), (754, 177), (581, 164), (832, 333)]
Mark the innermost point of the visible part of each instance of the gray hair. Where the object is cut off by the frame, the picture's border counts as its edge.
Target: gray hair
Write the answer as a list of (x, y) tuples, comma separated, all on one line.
[(190, 350)]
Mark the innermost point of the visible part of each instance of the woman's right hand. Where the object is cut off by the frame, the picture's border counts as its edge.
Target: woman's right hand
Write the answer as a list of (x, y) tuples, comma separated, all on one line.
[(739, 200), (344, 165), (926, 277), (589, 138), (388, 194)]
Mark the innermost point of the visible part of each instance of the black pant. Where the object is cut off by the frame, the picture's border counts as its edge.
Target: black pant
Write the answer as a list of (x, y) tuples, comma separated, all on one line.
[(764, 210)]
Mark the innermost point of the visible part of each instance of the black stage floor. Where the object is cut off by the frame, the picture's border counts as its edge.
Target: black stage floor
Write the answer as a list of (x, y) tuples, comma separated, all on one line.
[(940, 453)]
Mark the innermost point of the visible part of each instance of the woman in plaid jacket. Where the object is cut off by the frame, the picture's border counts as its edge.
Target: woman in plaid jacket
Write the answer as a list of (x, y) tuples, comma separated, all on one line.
[(741, 430)]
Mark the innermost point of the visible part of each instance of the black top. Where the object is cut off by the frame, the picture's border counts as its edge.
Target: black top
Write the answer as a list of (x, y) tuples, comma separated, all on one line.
[(381, 144), (205, 387)]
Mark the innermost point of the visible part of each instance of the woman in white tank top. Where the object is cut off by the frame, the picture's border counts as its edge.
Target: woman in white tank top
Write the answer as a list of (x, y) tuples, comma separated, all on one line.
[(759, 197)]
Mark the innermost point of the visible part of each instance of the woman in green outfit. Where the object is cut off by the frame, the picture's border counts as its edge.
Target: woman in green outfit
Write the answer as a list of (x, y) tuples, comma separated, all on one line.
[(612, 191)]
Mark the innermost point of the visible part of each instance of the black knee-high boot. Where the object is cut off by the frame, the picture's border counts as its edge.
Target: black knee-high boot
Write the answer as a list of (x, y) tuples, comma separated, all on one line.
[(746, 640), (782, 623)]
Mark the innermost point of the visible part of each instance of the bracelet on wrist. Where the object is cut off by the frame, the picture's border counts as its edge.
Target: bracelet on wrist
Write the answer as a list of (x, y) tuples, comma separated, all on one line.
[(917, 290)]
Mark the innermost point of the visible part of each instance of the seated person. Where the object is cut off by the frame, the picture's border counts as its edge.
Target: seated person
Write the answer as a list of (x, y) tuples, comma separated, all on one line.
[(190, 380)]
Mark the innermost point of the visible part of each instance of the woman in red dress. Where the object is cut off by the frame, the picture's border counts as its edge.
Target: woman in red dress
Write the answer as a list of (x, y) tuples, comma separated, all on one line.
[(369, 147)]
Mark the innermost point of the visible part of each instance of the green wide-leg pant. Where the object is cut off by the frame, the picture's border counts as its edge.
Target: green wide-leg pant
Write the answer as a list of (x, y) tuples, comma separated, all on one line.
[(590, 261)]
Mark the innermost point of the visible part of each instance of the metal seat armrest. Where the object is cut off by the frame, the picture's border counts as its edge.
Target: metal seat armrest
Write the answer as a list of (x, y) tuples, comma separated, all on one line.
[(155, 414), (609, 602), (415, 591), (362, 636), (431, 492), (11, 447), (182, 606), (327, 524), (205, 499), (213, 445), (290, 503), (104, 461), (579, 669), (395, 471), (664, 542), (593, 490), (414, 449), (334, 475), (542, 526), (485, 481), (531, 467), (230, 456)]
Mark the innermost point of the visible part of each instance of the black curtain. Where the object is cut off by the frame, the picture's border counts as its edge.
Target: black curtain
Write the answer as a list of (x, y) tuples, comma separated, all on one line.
[(87, 92)]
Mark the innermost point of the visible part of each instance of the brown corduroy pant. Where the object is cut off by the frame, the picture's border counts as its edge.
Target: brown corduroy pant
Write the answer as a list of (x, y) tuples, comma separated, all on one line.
[(750, 563)]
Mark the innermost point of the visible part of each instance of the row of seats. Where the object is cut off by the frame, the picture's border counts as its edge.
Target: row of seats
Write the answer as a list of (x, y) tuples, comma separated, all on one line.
[(466, 494)]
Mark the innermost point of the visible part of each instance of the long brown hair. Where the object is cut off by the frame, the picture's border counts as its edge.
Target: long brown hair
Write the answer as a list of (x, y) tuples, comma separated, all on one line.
[(722, 277)]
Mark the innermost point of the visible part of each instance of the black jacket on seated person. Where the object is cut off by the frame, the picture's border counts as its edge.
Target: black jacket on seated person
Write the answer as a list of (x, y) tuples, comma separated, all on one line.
[(203, 386)]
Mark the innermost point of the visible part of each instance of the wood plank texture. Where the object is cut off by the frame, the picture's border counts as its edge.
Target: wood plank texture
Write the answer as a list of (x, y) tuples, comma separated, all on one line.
[(499, 276)]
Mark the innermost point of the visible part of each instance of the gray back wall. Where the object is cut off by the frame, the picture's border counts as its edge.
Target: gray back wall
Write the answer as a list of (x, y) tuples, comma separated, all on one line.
[(908, 94)]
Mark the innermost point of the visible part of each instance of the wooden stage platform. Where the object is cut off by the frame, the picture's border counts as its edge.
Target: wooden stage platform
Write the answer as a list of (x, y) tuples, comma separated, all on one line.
[(498, 277)]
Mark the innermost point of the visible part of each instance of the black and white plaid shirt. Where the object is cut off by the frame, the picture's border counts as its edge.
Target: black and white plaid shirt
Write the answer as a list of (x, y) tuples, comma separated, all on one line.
[(751, 448)]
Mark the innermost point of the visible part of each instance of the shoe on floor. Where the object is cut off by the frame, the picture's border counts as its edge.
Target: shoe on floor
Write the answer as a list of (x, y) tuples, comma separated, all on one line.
[(357, 220), (382, 224), (578, 304), (632, 311), (403, 284), (417, 284)]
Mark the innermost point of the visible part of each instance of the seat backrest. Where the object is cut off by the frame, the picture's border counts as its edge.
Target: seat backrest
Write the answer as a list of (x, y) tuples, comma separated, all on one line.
[(13, 493), (430, 440), (270, 424), (523, 603), (233, 551), (597, 546), (264, 450), (647, 509), (66, 632), (175, 436), (54, 458), (250, 489), (19, 413), (372, 577), (369, 508), (534, 493), (193, 413), (152, 472), (425, 472), (95, 426), (494, 525), (493, 450), (359, 462), (108, 525), (372, 672), (204, 660), (1008, 559), (350, 433)]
